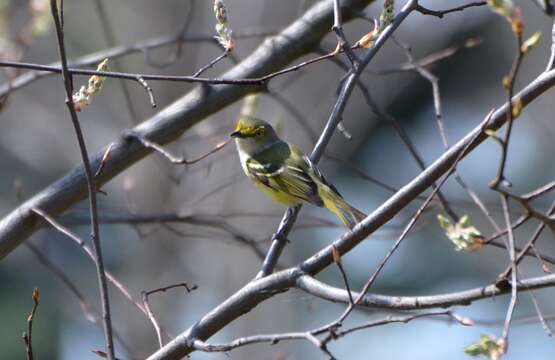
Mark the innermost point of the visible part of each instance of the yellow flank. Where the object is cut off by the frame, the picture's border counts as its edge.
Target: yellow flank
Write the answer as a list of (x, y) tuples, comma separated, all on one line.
[(279, 196)]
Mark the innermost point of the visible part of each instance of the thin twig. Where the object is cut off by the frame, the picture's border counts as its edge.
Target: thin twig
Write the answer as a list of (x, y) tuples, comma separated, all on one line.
[(337, 260), (311, 336), (405, 138), (148, 89), (531, 242), (441, 13), (539, 191), (429, 60), (546, 327), (211, 63), (514, 272), (150, 314), (28, 336), (342, 42), (173, 159), (500, 180), (91, 184)]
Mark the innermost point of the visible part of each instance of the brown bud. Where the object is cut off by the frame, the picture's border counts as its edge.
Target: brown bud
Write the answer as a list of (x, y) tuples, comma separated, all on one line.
[(36, 295)]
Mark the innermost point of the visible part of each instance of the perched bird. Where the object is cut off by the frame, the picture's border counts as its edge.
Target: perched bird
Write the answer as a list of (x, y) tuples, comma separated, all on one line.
[(286, 174)]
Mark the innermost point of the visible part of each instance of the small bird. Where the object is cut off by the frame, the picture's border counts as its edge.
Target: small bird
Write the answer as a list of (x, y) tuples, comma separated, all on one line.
[(286, 174)]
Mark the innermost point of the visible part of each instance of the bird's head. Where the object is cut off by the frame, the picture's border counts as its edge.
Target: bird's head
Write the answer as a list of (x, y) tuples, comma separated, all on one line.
[(254, 131)]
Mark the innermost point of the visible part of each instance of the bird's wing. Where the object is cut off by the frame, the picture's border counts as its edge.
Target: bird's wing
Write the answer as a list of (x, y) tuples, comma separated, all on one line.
[(290, 174), (312, 170)]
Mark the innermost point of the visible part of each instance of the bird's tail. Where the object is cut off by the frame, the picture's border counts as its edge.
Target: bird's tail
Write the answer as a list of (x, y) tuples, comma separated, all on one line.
[(349, 215)]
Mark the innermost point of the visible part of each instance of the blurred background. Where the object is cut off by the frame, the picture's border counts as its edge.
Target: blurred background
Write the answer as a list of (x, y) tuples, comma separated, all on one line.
[(37, 146)]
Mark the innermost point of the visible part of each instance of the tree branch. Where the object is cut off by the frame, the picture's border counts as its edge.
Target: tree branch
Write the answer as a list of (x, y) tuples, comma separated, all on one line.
[(317, 288)]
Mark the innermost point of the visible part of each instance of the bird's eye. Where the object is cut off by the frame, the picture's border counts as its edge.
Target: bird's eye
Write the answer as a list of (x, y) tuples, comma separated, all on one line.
[(260, 131)]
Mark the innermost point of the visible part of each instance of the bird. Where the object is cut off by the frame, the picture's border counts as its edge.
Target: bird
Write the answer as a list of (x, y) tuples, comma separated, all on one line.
[(285, 173)]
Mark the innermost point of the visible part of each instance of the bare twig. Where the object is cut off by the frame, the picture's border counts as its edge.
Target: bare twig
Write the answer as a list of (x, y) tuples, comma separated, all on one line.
[(150, 314), (409, 145), (211, 63), (342, 42), (441, 13), (531, 242), (148, 89), (500, 180), (91, 184), (514, 272), (173, 159), (429, 60), (311, 336), (547, 328), (337, 260), (539, 191), (28, 336)]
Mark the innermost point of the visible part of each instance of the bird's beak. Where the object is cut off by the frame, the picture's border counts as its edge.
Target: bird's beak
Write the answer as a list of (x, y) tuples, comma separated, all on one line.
[(236, 134)]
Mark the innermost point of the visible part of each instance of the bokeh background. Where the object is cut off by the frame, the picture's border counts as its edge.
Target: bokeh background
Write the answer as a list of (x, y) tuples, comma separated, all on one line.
[(37, 146)]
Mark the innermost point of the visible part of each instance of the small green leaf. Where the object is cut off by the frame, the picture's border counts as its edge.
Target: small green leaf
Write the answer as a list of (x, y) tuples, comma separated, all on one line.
[(531, 42), (487, 346), (465, 236)]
